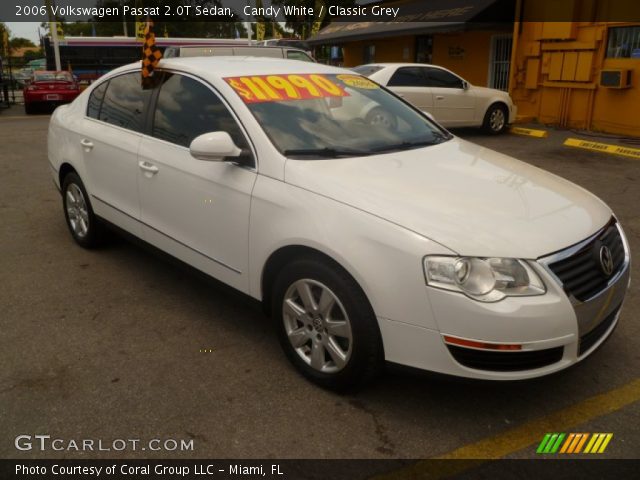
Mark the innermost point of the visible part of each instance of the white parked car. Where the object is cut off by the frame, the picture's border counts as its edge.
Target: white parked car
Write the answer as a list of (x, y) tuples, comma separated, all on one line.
[(449, 98), (364, 243)]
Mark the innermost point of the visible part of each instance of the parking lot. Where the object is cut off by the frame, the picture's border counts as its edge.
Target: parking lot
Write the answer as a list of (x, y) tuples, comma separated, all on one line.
[(121, 343)]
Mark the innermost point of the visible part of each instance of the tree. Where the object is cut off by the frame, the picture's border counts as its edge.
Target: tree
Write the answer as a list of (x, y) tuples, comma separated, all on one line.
[(19, 42), (184, 26), (301, 25), (4, 33)]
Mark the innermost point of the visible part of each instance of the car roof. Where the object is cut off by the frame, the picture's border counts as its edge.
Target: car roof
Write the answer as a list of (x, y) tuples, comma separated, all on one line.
[(391, 64), (239, 65)]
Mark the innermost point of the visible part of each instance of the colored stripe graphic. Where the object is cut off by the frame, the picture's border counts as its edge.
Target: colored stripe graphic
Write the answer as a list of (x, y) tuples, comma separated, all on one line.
[(581, 443), (598, 442), (573, 443), (550, 443)]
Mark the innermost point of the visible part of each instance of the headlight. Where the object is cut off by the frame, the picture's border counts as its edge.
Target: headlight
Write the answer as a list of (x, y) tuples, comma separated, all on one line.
[(483, 279)]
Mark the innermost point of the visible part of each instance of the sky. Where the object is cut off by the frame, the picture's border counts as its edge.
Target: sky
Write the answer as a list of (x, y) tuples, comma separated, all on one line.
[(25, 30)]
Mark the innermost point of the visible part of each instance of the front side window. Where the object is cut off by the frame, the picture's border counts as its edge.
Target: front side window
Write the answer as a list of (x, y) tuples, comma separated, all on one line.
[(187, 108), (408, 77), (95, 100), (124, 102), (333, 115), (441, 78), (624, 42)]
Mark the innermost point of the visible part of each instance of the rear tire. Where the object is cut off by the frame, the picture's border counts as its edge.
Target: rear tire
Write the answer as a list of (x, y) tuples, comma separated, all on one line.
[(29, 109), (84, 226), (496, 119), (326, 325)]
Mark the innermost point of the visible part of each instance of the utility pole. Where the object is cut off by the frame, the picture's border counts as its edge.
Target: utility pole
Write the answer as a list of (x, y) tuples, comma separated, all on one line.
[(53, 30), (124, 21)]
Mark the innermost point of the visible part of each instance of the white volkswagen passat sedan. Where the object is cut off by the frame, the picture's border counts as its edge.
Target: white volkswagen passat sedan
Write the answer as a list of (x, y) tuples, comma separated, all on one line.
[(364, 242), (450, 99)]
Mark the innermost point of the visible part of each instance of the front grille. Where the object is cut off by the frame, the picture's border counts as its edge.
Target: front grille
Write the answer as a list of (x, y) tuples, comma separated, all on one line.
[(590, 338), (581, 274), (505, 361)]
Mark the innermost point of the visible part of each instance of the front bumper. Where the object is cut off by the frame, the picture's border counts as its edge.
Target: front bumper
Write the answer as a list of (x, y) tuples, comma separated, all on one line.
[(554, 330), (513, 112)]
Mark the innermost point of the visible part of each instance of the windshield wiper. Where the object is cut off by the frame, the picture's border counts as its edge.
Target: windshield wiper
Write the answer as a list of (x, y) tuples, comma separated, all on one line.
[(407, 145), (327, 152)]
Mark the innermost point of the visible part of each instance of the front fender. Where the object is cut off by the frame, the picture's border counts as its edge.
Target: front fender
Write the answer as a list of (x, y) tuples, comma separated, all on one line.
[(385, 259)]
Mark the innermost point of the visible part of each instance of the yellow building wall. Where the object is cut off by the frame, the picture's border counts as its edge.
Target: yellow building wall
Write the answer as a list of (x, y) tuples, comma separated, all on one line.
[(556, 72), (466, 53)]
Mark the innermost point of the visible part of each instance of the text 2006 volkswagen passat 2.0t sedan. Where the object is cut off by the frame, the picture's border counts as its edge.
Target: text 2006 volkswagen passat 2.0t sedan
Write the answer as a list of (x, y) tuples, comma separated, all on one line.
[(365, 241)]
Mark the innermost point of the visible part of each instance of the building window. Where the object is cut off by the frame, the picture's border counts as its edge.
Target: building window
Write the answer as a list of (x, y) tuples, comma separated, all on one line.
[(424, 49), (624, 42), (369, 54)]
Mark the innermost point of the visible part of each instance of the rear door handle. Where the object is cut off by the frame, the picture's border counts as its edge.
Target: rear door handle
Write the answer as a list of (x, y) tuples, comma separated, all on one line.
[(439, 97), (148, 167), (88, 144)]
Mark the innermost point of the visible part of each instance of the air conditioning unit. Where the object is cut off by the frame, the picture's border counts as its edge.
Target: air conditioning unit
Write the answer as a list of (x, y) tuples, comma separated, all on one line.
[(615, 78)]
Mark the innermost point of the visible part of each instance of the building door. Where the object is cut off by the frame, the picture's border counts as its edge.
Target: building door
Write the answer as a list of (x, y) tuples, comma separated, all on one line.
[(500, 61)]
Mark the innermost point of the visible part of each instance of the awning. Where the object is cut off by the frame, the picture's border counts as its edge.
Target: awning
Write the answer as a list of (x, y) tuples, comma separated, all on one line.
[(416, 17)]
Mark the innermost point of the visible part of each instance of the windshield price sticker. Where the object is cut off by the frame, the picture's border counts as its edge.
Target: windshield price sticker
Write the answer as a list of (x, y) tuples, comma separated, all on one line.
[(277, 88), (356, 81)]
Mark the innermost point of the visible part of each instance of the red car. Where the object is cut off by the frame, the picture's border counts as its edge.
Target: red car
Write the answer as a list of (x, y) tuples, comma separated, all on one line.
[(49, 88)]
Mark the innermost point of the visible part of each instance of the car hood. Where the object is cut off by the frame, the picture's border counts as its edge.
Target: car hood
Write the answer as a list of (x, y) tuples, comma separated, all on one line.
[(473, 200)]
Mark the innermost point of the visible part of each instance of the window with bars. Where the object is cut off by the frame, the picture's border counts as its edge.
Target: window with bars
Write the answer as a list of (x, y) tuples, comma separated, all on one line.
[(624, 42), (500, 61)]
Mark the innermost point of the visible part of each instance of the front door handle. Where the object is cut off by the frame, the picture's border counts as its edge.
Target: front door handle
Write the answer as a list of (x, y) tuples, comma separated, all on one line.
[(88, 144), (439, 97), (148, 167)]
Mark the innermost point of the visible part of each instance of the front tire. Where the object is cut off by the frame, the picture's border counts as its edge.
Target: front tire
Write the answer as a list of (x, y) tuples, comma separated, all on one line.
[(84, 226), (496, 119), (326, 325)]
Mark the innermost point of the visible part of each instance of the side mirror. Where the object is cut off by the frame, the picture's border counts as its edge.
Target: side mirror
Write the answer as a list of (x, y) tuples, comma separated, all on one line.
[(429, 115), (465, 85), (214, 147)]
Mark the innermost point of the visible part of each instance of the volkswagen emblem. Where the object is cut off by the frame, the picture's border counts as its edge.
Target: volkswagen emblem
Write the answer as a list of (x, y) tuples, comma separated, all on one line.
[(606, 260)]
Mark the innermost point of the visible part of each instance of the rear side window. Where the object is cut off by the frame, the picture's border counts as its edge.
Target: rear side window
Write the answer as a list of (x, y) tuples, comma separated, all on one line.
[(186, 108), (124, 102), (95, 100), (408, 77), (442, 78)]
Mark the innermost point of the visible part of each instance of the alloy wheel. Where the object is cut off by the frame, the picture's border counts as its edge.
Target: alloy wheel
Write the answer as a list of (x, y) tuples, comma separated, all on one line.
[(317, 326)]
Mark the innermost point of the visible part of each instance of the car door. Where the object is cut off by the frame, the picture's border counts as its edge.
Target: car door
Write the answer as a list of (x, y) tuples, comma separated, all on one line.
[(196, 210), (410, 83), (453, 103), (110, 138)]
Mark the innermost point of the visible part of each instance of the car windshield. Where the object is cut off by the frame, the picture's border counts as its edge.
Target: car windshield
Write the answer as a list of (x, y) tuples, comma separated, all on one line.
[(331, 116), (367, 70), (53, 77)]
